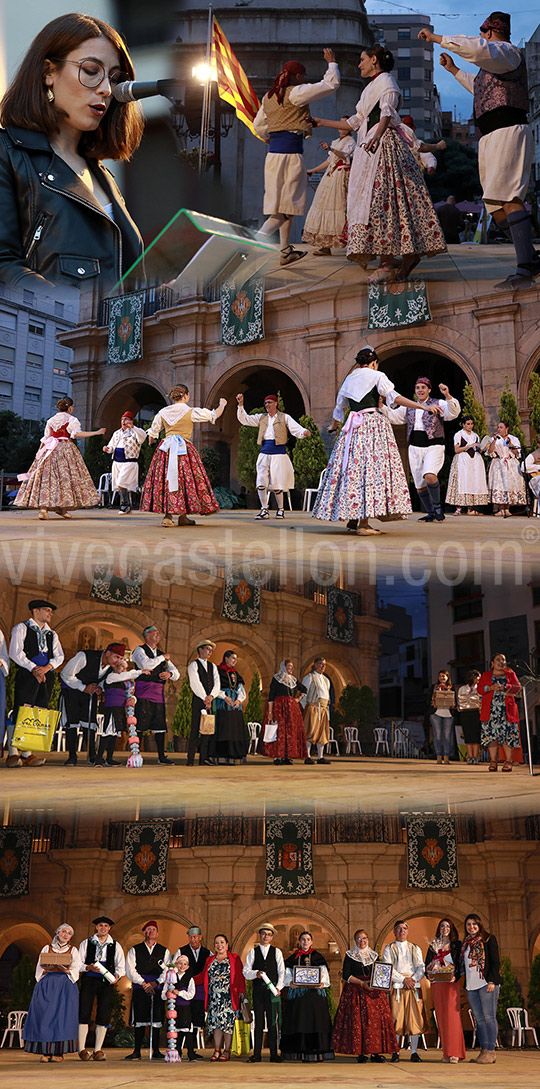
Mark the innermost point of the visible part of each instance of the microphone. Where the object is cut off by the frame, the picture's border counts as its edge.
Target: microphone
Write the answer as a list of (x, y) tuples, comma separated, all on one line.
[(132, 91)]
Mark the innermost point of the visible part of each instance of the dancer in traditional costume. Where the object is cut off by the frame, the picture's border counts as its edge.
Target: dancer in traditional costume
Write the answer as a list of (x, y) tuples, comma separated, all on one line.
[(506, 147), (265, 960), (422, 152), (284, 121), (143, 969), (52, 1026), (58, 479), (425, 437), (119, 697), (184, 991), (364, 478), (231, 741), (389, 211), (197, 955), (506, 484), (150, 691), (326, 221), (363, 1024), (532, 468), (96, 953), (125, 447), (176, 482), (282, 708), (37, 652), (80, 688), (443, 959), (306, 1029), (204, 682), (406, 1001), (275, 472), (316, 714), (467, 484)]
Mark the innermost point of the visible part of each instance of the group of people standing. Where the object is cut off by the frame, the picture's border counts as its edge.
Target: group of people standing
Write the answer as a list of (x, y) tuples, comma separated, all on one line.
[(375, 1013)]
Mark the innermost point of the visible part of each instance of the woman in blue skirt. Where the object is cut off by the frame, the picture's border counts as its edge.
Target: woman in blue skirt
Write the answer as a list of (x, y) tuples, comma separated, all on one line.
[(52, 1025)]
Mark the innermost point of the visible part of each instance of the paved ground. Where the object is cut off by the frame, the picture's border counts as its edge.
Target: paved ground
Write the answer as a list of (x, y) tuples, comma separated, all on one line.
[(373, 783), (519, 1070), (297, 547)]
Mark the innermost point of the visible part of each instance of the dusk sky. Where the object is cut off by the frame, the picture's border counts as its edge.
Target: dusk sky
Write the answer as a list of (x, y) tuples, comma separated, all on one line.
[(456, 18)]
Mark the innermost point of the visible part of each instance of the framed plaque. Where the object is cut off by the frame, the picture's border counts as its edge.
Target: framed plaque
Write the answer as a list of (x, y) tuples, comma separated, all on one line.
[(308, 976), (381, 976)]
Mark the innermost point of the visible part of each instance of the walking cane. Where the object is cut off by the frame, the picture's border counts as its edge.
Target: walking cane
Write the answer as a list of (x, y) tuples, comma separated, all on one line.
[(151, 1048)]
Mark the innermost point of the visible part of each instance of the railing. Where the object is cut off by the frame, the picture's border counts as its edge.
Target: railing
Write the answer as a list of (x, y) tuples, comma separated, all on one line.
[(155, 299)]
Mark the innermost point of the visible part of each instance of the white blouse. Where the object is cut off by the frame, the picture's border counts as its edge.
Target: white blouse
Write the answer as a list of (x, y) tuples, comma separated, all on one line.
[(62, 419)]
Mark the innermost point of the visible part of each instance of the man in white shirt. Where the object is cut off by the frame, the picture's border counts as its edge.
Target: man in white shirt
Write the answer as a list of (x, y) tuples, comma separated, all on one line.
[(265, 960), (406, 996), (425, 436), (125, 447), (150, 691), (98, 950), (37, 652), (506, 147), (204, 682), (316, 704), (80, 682), (143, 969), (275, 472)]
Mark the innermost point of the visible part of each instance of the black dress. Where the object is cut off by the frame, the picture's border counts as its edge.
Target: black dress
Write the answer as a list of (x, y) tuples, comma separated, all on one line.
[(306, 1031), (231, 738)]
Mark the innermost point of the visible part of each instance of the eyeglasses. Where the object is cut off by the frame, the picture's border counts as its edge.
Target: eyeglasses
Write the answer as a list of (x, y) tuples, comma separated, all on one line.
[(92, 73)]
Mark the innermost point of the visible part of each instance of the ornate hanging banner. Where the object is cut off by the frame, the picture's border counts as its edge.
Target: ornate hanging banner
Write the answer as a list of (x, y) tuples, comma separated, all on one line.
[(242, 312), (395, 304), (146, 851), (15, 855), (289, 856), (339, 615), (125, 328), (242, 596), (117, 587), (432, 853)]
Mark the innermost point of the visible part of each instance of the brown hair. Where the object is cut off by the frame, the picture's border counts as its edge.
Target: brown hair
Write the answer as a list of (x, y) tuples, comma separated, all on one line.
[(453, 930), (224, 936), (177, 393), (384, 57), (25, 103), (476, 918), (64, 403), (469, 679)]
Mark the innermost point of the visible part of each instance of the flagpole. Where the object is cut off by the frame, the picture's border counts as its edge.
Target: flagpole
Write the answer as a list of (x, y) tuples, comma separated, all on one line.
[(207, 95)]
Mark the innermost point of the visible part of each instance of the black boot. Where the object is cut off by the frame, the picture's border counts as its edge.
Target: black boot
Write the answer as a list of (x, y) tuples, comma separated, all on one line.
[(111, 745), (139, 1040), (71, 742), (160, 745), (156, 1053), (91, 746), (99, 761)]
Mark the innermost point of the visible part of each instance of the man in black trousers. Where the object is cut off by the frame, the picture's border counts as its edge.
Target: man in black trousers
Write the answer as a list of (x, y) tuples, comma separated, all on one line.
[(204, 682), (265, 965)]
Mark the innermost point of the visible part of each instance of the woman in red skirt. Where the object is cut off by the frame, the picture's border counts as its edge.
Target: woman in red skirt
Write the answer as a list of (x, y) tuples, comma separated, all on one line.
[(282, 708), (443, 957), (363, 1024), (176, 482)]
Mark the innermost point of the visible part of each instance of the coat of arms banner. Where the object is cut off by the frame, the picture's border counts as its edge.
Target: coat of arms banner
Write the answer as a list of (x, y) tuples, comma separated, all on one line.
[(395, 304), (432, 853), (146, 851), (125, 328), (339, 615), (15, 855), (289, 856), (242, 596), (242, 312)]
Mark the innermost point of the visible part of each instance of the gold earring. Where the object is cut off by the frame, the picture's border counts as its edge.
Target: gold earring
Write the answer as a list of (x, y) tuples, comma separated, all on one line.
[(50, 95)]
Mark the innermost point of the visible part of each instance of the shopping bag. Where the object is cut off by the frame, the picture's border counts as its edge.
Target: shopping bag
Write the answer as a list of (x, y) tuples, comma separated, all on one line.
[(35, 728), (270, 732), (207, 724), (245, 1010), (241, 1042)]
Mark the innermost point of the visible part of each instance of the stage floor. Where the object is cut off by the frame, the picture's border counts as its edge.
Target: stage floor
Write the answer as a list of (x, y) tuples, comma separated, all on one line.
[(371, 783), (519, 1070)]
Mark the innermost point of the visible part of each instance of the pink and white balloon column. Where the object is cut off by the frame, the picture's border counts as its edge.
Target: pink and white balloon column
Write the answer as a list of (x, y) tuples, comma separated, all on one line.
[(134, 759), (171, 1055)]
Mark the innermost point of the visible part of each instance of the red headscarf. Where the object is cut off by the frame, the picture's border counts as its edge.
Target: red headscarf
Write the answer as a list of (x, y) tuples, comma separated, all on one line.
[(498, 21), (285, 78)]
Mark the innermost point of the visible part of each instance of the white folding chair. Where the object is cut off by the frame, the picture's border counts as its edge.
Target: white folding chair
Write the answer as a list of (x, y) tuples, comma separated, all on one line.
[(15, 1025), (254, 730), (332, 741), (351, 738), (437, 1027), (60, 738), (310, 492), (406, 1037), (519, 1020), (381, 739), (472, 1019), (401, 741), (104, 486)]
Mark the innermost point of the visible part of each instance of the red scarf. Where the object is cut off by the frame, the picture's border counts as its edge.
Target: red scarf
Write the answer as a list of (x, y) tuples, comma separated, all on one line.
[(304, 952), (477, 953)]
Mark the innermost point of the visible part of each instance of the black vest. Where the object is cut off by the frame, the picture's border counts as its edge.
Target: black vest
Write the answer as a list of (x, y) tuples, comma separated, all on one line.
[(146, 963), (268, 965), (206, 676), (161, 668), (89, 673), (31, 645), (109, 955), (196, 967)]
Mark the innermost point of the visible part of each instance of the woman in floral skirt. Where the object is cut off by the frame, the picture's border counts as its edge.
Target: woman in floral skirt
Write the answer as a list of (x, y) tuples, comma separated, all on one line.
[(223, 984), (176, 483), (52, 1025), (58, 479), (389, 211), (282, 708), (365, 477), (499, 713), (363, 1024)]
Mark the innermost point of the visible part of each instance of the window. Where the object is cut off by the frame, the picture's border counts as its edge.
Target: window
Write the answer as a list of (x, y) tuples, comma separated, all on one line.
[(58, 310), (6, 389), (427, 56), (28, 297), (403, 74), (60, 370), (403, 52), (7, 355), (404, 34), (427, 95), (35, 329), (469, 653), (428, 75), (7, 321), (34, 360), (406, 92)]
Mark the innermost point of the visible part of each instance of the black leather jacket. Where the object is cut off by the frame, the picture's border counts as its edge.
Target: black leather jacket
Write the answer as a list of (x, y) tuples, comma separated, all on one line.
[(52, 228)]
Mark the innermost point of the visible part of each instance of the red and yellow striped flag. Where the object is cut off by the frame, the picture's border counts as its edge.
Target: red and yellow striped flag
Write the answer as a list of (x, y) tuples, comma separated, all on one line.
[(233, 85)]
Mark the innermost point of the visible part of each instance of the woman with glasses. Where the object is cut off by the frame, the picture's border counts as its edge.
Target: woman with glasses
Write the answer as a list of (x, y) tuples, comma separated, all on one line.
[(62, 217)]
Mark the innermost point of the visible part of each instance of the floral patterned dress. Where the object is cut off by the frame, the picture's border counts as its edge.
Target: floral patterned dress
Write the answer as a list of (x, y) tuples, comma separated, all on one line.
[(498, 728), (221, 1014)]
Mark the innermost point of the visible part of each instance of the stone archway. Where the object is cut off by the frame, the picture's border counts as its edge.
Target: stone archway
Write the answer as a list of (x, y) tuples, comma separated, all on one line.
[(137, 395)]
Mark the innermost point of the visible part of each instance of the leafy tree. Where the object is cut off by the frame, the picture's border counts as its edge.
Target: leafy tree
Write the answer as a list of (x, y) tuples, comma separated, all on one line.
[(181, 723), (248, 452), (212, 462), (457, 173), (357, 706), (473, 407), (533, 997), (19, 441), (509, 994), (309, 456), (508, 413), (534, 401), (254, 708), (22, 984)]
